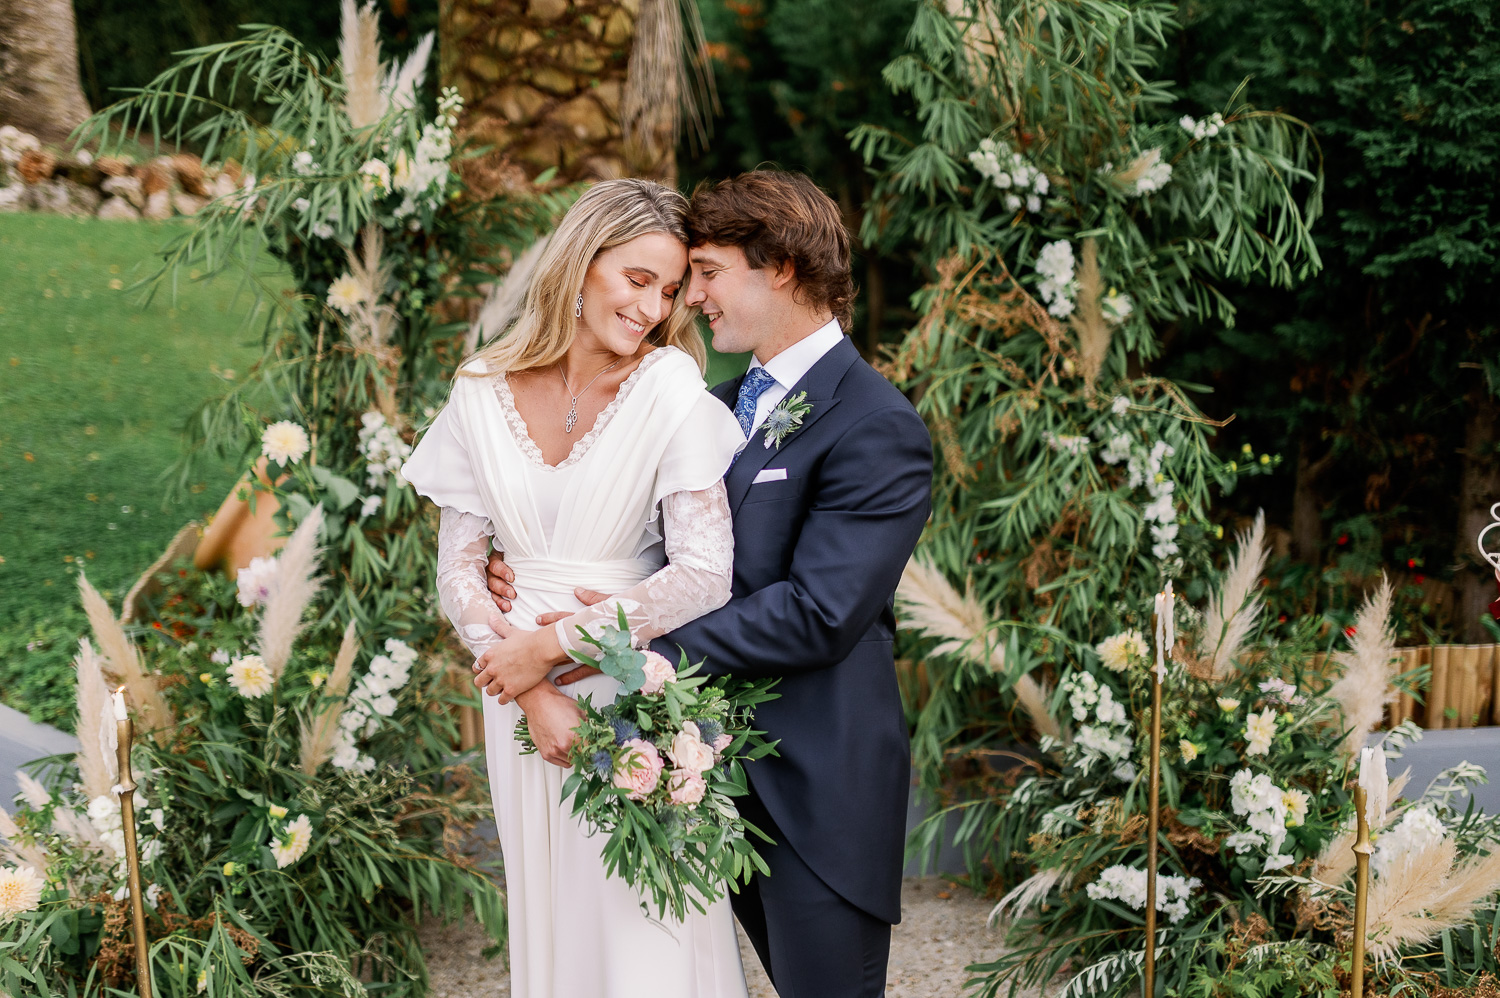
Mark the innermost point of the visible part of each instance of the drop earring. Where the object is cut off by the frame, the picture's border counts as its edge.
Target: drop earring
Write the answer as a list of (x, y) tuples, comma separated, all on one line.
[(578, 308)]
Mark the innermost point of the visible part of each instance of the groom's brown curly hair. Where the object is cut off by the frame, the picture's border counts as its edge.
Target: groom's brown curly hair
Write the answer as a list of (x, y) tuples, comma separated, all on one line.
[(775, 217)]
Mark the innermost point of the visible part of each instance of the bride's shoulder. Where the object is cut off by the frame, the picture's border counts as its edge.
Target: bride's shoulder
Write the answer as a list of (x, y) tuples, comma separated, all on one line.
[(673, 366)]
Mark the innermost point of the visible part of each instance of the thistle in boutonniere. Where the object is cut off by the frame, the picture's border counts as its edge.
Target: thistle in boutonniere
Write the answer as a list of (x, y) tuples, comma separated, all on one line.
[(785, 418)]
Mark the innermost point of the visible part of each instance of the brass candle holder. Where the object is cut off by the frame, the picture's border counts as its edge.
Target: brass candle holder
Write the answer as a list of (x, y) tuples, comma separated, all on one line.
[(1362, 851), (1153, 820), (1166, 637), (126, 789)]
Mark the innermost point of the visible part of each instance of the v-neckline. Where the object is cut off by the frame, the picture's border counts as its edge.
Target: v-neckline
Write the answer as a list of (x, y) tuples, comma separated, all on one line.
[(583, 444)]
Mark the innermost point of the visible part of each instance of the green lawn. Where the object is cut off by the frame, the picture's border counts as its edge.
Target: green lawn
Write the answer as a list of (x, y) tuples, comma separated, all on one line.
[(94, 390)]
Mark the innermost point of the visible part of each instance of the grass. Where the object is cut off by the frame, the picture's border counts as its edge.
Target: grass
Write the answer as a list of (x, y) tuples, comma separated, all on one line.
[(94, 389)]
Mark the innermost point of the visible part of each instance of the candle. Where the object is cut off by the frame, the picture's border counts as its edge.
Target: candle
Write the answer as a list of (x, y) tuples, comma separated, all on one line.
[(120, 712), (1375, 783)]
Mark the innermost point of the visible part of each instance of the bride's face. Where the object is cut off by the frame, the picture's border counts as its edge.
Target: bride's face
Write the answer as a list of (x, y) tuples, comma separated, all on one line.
[(629, 290)]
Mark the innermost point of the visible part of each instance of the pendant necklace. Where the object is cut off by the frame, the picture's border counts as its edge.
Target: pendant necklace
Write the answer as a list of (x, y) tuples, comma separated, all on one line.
[(572, 419)]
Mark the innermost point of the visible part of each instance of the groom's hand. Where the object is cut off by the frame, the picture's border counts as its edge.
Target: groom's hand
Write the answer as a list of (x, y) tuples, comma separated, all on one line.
[(500, 577), (588, 597)]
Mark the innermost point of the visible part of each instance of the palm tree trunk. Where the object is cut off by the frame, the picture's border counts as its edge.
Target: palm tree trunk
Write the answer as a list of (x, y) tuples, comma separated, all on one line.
[(544, 83), (39, 88)]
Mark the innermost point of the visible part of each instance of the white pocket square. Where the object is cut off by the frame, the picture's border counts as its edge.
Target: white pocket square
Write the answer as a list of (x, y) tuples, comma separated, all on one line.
[(770, 475)]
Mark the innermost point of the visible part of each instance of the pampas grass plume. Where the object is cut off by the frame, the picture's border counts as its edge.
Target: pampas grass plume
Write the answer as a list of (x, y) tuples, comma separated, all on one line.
[(1400, 897), (12, 846), (1088, 322), (403, 79), (359, 60), (1369, 666), (317, 737), (98, 770), (931, 605), (1232, 611), (295, 587), (123, 664), (1027, 894)]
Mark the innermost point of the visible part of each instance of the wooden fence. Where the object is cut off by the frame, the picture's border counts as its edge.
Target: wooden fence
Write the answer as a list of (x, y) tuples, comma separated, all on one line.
[(1459, 693)]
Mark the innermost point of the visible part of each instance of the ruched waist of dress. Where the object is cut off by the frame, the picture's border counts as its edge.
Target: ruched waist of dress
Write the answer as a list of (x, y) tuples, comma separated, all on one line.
[(557, 577)]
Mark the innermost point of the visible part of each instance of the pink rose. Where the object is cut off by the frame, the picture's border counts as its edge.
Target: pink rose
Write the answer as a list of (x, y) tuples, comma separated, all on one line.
[(659, 673), (723, 742), (639, 769), (688, 750), (686, 786)]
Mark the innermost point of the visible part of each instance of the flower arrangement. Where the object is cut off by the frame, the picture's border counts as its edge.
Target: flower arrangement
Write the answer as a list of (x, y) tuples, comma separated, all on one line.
[(1259, 753), (297, 811), (657, 771)]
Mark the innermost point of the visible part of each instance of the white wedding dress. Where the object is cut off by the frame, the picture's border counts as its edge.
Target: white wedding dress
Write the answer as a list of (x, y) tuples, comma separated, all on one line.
[(637, 508)]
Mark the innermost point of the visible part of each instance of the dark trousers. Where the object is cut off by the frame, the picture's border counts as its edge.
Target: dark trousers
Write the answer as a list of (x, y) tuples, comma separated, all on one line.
[(812, 942)]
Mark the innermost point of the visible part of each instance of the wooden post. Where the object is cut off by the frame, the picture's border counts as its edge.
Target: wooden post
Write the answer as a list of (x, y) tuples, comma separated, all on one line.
[(1439, 697)]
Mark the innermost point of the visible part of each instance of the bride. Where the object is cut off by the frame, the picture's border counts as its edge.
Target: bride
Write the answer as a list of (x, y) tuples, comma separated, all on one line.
[(586, 445)]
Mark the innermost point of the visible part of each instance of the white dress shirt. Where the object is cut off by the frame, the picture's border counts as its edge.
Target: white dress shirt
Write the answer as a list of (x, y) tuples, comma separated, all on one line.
[(791, 364)]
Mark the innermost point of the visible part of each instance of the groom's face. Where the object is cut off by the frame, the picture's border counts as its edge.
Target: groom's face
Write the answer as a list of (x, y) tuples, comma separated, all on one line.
[(739, 301)]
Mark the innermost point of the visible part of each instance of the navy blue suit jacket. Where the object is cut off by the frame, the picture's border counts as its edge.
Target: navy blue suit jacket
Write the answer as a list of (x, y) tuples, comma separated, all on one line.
[(816, 561)]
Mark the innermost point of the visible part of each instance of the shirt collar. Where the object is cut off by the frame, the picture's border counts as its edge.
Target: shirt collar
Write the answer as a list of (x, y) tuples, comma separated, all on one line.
[(791, 364)]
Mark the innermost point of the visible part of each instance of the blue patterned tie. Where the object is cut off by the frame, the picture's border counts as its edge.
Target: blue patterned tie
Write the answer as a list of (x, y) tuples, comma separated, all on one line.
[(751, 389)]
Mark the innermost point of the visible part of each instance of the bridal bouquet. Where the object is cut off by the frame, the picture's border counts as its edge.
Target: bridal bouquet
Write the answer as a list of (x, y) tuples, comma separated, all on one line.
[(657, 771)]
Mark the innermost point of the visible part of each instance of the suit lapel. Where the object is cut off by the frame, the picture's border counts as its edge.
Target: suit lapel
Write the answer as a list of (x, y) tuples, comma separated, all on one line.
[(821, 383)]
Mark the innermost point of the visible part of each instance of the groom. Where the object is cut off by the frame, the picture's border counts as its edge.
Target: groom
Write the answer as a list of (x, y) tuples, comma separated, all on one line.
[(823, 524)]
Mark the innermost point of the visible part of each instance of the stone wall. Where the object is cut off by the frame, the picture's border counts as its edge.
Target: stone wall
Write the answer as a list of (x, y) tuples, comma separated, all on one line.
[(542, 82), (34, 178)]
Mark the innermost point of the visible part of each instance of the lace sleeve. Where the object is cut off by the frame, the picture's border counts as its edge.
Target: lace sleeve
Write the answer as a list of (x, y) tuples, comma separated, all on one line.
[(699, 537), (463, 550)]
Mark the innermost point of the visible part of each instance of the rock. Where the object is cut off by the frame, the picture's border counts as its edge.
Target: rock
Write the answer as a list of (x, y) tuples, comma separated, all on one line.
[(118, 208), (128, 188), (584, 118), (515, 40), (553, 80), (582, 58), (36, 165), (546, 10), (486, 67), (112, 166), (189, 170), (187, 204), (519, 103), (609, 93), (620, 27), (158, 206), (70, 198), (156, 177), (541, 153)]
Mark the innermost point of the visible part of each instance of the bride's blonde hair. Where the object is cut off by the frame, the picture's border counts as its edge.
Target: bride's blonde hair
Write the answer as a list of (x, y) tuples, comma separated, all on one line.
[(609, 214)]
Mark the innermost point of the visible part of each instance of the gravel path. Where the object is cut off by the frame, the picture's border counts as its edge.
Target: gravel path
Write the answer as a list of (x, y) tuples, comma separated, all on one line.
[(942, 930)]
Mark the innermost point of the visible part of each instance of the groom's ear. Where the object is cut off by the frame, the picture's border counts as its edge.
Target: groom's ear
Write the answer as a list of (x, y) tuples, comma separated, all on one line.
[(784, 274)]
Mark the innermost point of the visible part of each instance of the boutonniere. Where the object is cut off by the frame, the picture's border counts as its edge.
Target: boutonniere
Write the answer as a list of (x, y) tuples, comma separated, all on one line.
[(785, 418)]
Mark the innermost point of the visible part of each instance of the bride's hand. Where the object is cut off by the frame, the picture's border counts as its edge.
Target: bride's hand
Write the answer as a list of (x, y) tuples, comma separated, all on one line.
[(588, 597), (519, 662), (551, 718)]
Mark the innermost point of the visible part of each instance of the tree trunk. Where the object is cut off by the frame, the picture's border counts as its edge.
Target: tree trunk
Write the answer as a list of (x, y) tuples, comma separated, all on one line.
[(1479, 488), (39, 88), (543, 82), (1307, 505)]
